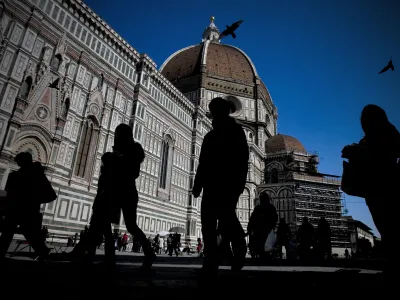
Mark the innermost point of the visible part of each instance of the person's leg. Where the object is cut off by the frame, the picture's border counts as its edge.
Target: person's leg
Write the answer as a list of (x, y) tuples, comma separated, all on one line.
[(99, 225), (280, 246), (209, 230), (232, 231), (129, 210), (34, 238), (6, 237)]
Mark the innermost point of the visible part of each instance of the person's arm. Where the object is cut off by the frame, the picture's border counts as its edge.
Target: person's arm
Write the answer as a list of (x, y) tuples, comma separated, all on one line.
[(243, 159), (139, 157), (10, 189), (250, 225)]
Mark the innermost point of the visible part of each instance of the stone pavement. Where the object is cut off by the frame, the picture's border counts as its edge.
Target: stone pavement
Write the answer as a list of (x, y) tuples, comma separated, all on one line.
[(173, 277)]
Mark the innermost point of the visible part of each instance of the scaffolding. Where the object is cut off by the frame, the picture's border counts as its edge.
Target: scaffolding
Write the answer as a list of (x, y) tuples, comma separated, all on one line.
[(315, 199)]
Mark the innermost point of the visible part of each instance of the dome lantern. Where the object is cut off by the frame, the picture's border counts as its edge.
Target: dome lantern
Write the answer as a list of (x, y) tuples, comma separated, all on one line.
[(211, 33)]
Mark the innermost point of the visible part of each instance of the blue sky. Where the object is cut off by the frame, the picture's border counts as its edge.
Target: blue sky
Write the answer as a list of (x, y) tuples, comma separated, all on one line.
[(319, 59)]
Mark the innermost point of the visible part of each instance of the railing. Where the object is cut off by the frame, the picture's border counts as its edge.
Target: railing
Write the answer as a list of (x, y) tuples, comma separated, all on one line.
[(325, 179)]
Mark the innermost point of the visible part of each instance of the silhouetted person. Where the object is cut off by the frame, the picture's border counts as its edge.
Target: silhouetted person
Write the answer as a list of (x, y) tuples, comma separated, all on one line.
[(157, 244), (199, 245), (119, 242), (378, 153), (170, 245), (324, 247), (305, 236), (24, 189), (116, 192), (221, 174), (389, 66), (262, 221), (346, 254), (283, 236), (176, 243), (124, 241)]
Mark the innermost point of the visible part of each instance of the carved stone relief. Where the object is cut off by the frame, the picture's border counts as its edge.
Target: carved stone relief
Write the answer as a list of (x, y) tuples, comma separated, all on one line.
[(37, 48), (16, 36), (7, 59), (29, 40), (9, 98), (42, 113)]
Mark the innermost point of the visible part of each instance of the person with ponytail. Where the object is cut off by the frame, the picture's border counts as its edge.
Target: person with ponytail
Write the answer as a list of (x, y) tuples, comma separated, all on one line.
[(117, 191)]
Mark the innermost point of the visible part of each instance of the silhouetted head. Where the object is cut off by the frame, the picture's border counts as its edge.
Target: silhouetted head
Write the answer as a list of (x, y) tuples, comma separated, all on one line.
[(123, 137), (373, 119), (23, 159), (219, 108), (264, 199), (305, 220)]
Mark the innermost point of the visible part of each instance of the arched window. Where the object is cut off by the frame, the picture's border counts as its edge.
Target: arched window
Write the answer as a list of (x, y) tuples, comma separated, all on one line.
[(250, 137), (274, 176), (26, 87), (164, 164), (101, 80), (88, 136), (65, 108)]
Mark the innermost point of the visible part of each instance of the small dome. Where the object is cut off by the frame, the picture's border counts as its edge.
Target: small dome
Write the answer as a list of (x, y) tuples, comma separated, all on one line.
[(282, 142)]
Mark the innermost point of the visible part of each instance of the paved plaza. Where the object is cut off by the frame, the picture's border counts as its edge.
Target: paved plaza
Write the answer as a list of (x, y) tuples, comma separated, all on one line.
[(175, 277)]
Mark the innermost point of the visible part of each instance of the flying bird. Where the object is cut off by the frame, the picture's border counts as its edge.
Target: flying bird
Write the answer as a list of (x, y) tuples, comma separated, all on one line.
[(54, 84), (389, 66), (230, 30)]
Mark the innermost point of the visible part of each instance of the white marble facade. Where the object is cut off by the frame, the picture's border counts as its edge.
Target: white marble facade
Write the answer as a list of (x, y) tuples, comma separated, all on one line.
[(101, 81)]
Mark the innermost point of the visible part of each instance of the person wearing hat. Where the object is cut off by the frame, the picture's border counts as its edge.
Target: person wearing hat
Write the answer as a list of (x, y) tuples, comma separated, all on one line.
[(221, 175)]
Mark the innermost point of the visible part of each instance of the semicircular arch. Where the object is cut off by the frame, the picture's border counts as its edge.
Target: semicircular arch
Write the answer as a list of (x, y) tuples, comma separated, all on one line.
[(284, 192), (274, 165), (34, 145)]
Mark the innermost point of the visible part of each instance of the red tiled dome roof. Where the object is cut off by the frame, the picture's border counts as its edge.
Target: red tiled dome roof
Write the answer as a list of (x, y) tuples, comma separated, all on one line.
[(282, 142), (221, 60), (183, 63)]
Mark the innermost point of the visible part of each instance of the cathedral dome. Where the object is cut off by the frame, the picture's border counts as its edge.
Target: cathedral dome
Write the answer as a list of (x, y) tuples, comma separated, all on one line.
[(224, 61), (214, 66), (280, 142)]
